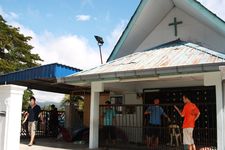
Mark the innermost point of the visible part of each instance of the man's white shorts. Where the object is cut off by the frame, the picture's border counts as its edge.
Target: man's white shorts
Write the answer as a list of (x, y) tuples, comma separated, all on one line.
[(32, 126), (188, 136)]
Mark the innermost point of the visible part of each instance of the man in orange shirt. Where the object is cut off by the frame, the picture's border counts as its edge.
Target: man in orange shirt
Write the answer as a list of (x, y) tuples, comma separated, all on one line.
[(190, 113)]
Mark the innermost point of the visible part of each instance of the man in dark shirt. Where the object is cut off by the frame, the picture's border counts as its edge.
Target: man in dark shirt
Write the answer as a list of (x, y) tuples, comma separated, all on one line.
[(34, 112), (53, 121)]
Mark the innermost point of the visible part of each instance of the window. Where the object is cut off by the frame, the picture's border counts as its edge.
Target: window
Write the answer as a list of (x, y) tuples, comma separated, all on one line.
[(118, 101)]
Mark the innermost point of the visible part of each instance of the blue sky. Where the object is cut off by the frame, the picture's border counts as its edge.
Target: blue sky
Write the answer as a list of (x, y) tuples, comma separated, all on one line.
[(62, 17), (52, 20), (63, 30)]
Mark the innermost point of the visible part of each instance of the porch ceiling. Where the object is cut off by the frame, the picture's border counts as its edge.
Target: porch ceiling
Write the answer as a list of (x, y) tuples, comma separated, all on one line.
[(167, 82)]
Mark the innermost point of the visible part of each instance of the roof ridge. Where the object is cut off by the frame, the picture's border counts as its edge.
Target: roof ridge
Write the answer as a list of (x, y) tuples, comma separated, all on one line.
[(205, 50), (166, 44), (188, 44)]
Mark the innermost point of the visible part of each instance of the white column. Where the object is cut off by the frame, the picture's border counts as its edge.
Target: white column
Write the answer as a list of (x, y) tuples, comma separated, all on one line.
[(96, 87), (215, 79), (11, 97)]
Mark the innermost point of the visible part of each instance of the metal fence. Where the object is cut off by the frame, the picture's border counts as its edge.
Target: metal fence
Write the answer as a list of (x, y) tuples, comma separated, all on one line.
[(43, 129), (130, 127)]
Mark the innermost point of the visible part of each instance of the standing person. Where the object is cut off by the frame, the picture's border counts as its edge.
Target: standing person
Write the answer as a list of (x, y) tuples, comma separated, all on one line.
[(53, 121), (155, 112), (109, 119), (34, 112), (191, 114)]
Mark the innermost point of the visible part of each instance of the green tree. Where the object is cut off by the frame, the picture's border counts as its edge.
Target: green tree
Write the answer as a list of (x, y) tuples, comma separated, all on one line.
[(26, 98), (71, 99), (15, 52)]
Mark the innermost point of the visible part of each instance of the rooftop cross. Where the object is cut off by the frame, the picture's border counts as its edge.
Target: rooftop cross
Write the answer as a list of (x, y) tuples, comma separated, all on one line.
[(175, 23)]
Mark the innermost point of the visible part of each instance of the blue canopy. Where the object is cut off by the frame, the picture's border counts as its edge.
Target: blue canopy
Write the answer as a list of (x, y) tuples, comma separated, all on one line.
[(42, 78)]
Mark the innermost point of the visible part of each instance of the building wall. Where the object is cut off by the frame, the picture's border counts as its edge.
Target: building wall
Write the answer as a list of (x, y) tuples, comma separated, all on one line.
[(190, 30)]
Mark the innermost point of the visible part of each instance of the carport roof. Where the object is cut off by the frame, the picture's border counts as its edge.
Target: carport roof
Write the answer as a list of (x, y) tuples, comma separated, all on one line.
[(42, 78), (175, 57)]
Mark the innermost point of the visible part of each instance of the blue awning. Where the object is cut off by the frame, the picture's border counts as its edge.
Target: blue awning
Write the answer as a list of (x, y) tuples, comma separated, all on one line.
[(42, 78)]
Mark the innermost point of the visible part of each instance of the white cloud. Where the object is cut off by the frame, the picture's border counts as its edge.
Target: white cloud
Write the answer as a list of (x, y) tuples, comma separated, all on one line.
[(71, 50), (43, 96), (14, 15), (87, 3), (216, 6), (107, 16), (11, 16), (115, 34), (83, 17), (68, 49)]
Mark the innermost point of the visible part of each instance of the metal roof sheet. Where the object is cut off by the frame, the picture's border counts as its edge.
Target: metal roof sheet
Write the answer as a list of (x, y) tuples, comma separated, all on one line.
[(176, 53)]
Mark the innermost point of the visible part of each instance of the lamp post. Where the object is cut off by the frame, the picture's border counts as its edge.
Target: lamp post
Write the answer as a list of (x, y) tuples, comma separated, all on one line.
[(100, 43)]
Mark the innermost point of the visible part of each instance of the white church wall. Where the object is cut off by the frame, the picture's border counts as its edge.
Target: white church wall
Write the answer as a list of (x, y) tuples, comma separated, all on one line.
[(215, 79), (190, 30)]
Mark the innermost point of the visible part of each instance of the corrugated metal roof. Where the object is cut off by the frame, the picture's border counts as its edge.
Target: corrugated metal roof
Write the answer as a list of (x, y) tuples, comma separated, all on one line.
[(46, 71), (172, 54), (41, 77)]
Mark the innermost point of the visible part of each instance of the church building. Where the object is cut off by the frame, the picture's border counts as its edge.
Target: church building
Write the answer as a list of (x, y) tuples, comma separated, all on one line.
[(169, 47)]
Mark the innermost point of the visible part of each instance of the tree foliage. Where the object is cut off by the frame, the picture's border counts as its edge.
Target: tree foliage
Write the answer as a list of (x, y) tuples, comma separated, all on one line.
[(26, 98), (15, 52), (71, 99)]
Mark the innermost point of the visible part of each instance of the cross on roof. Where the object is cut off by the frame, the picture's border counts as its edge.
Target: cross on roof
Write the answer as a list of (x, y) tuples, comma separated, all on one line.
[(175, 23)]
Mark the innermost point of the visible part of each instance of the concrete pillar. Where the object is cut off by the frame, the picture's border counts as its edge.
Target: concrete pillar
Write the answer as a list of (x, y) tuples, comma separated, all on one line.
[(215, 79), (11, 101), (96, 87)]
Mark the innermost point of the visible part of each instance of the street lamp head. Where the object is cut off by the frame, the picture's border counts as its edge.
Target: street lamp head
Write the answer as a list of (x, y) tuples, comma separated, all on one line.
[(100, 43), (99, 40)]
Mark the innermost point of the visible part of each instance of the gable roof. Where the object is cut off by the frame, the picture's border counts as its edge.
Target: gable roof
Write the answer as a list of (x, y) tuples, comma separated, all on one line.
[(131, 38), (174, 57)]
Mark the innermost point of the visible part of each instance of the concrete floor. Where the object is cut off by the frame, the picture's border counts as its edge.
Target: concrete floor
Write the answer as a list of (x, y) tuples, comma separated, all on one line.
[(52, 144)]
